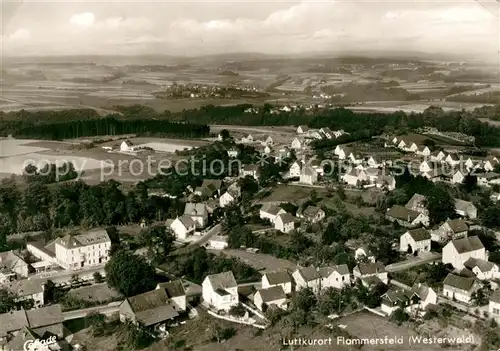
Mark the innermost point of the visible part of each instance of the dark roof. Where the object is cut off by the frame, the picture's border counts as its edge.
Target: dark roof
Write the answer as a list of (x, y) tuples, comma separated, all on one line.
[(173, 288), (468, 244), (272, 294), (459, 282), (371, 268), (457, 225), (279, 277), (402, 213), (419, 234)]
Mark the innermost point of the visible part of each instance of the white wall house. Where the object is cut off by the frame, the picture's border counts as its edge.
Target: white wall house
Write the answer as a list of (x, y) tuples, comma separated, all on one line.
[(457, 252), (307, 277), (270, 211), (278, 278), (220, 291), (182, 227), (459, 288), (284, 222), (335, 277), (494, 305), (266, 297), (415, 241)]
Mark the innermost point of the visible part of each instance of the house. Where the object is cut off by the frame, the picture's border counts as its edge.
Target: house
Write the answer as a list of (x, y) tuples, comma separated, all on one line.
[(458, 288), (233, 152), (415, 241), (38, 321), (12, 266), (327, 132), (465, 209), (284, 222), (458, 177), (451, 229), (297, 144), (270, 211), (176, 293), (303, 129), (488, 179), (335, 277), (494, 305), (150, 308), (423, 150), (400, 298), (295, 170), (427, 295), (308, 175), (407, 218), (307, 277), (218, 242), (251, 170), (363, 253), (312, 214), (83, 250), (247, 139), (278, 278), (220, 291), (417, 203), (376, 269), (198, 213), (386, 182), (228, 198), (452, 159), (482, 269), (26, 289), (127, 146), (182, 227), (439, 156), (273, 295), (457, 252)]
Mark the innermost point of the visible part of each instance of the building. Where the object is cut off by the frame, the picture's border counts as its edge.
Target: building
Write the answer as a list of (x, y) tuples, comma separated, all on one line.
[(457, 252), (400, 298), (312, 214), (198, 213), (183, 227), (307, 277), (308, 175), (335, 277), (150, 308), (494, 305), (465, 209), (220, 291), (278, 278), (26, 289), (407, 218), (270, 212), (415, 241), (218, 242), (482, 269), (417, 203), (251, 170), (127, 146), (367, 270), (458, 288), (176, 293), (295, 170), (273, 295), (451, 229), (303, 129), (12, 267), (284, 222), (297, 144)]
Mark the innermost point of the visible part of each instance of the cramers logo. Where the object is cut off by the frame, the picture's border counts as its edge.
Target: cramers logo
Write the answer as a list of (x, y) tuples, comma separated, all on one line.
[(39, 345)]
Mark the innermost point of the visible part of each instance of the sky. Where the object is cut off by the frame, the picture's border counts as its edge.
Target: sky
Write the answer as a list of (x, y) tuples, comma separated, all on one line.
[(192, 28)]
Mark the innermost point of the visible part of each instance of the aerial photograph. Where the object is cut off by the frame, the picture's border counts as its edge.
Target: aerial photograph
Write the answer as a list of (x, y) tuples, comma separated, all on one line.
[(250, 175)]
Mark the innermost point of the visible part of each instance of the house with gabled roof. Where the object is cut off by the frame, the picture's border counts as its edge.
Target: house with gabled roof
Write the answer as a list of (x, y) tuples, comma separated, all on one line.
[(465, 209), (482, 269), (457, 252), (278, 278), (176, 293), (284, 222), (451, 229), (150, 308), (399, 298), (407, 218), (415, 241), (494, 304), (272, 296), (336, 277), (371, 270), (307, 277), (458, 288), (270, 212), (220, 291)]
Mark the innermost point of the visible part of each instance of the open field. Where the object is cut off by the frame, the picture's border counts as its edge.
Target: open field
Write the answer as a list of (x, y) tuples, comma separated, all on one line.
[(262, 262)]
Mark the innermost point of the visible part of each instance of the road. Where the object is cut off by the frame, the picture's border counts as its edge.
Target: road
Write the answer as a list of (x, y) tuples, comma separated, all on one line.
[(108, 309), (413, 262)]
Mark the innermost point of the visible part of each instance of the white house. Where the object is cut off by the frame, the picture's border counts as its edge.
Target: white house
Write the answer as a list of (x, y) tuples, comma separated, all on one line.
[(494, 305), (308, 175), (335, 277), (465, 209), (303, 129), (366, 270), (458, 177), (220, 291), (218, 242), (228, 198), (183, 226), (284, 222), (415, 241), (198, 213), (307, 277), (297, 144), (270, 212), (457, 252), (407, 218), (176, 293), (459, 288), (483, 270), (127, 146), (273, 295), (295, 170), (278, 278)]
